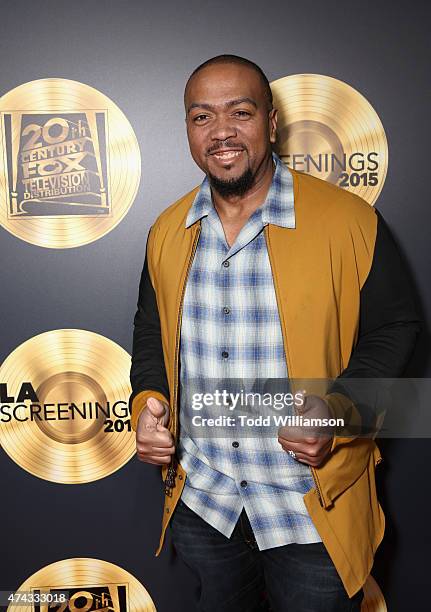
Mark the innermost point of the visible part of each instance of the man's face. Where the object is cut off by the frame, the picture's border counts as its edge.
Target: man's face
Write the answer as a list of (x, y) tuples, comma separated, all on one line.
[(230, 127)]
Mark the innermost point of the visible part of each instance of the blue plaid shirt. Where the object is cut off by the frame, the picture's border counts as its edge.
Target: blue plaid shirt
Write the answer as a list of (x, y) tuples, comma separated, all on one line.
[(231, 329)]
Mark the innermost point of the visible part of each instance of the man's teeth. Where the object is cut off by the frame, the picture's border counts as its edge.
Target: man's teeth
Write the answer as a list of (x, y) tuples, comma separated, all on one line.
[(227, 155)]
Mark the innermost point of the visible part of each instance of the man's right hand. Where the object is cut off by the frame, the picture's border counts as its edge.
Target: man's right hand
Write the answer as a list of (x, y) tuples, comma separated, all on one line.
[(154, 442)]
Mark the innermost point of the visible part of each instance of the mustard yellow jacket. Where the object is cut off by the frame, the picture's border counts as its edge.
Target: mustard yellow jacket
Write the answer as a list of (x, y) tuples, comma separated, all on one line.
[(319, 269)]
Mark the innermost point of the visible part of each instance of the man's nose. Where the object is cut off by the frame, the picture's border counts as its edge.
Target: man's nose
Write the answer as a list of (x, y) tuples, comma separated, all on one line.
[(222, 129)]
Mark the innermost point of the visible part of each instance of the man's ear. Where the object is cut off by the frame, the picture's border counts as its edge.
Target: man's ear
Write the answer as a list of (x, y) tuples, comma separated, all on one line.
[(273, 116)]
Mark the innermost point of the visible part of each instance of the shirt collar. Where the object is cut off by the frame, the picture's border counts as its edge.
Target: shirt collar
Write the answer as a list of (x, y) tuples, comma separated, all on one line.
[(277, 209)]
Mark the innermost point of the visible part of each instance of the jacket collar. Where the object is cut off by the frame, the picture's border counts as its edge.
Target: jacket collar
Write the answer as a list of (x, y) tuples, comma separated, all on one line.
[(278, 208)]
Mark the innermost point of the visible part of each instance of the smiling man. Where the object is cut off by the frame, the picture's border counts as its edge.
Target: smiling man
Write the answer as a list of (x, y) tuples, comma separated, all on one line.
[(265, 273)]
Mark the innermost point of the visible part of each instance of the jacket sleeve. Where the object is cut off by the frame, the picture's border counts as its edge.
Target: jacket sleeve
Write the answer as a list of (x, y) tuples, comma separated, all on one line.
[(388, 329), (148, 373)]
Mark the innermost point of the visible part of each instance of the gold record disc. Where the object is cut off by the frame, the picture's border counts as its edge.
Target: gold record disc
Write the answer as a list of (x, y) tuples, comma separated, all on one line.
[(86, 585), (64, 406), (70, 164), (328, 129), (373, 597)]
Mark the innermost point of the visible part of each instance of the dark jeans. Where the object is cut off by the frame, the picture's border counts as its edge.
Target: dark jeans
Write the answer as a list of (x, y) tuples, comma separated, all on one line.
[(236, 577)]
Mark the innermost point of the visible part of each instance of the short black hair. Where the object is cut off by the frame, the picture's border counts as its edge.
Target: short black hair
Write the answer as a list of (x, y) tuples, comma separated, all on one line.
[(236, 59)]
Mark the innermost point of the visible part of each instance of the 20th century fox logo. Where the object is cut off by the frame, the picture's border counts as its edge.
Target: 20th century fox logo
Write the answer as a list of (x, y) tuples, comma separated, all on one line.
[(56, 164), (88, 598)]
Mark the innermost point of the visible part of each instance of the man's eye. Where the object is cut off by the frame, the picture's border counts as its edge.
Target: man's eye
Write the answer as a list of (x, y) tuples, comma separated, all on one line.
[(242, 114), (200, 118)]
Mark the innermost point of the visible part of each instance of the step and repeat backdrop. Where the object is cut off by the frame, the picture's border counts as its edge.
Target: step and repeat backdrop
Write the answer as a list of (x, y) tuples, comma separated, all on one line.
[(92, 149)]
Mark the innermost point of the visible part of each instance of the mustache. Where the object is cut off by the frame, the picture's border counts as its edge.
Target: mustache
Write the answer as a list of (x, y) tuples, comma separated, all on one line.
[(224, 144)]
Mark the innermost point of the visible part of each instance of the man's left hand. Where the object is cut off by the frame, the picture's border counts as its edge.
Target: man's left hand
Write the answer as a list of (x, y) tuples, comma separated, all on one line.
[(311, 445)]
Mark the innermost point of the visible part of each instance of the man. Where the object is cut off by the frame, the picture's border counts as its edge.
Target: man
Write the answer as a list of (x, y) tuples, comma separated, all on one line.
[(264, 272)]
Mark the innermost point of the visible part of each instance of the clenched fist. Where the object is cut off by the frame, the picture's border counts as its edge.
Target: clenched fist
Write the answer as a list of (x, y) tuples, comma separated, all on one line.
[(311, 445), (154, 442)]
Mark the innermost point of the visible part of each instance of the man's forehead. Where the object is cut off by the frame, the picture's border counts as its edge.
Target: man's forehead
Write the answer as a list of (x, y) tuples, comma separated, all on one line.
[(224, 82)]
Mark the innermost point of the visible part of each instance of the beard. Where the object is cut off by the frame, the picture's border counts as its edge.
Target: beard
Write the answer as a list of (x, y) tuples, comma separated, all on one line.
[(234, 186)]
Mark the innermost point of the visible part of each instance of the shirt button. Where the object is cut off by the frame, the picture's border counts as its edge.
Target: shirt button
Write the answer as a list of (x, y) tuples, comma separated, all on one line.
[(226, 310), (226, 264), (243, 483), (225, 354), (235, 444)]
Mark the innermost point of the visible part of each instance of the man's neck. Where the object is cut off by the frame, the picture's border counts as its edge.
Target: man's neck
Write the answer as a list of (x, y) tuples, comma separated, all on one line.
[(240, 207)]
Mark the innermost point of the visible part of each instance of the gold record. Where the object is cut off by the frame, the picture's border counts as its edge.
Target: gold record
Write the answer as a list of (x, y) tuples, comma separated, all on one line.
[(73, 427), (328, 129), (69, 163), (90, 584), (373, 597)]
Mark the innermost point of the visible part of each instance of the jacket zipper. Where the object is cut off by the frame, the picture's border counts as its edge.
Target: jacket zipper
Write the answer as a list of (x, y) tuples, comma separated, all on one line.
[(172, 469), (283, 327), (316, 484)]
